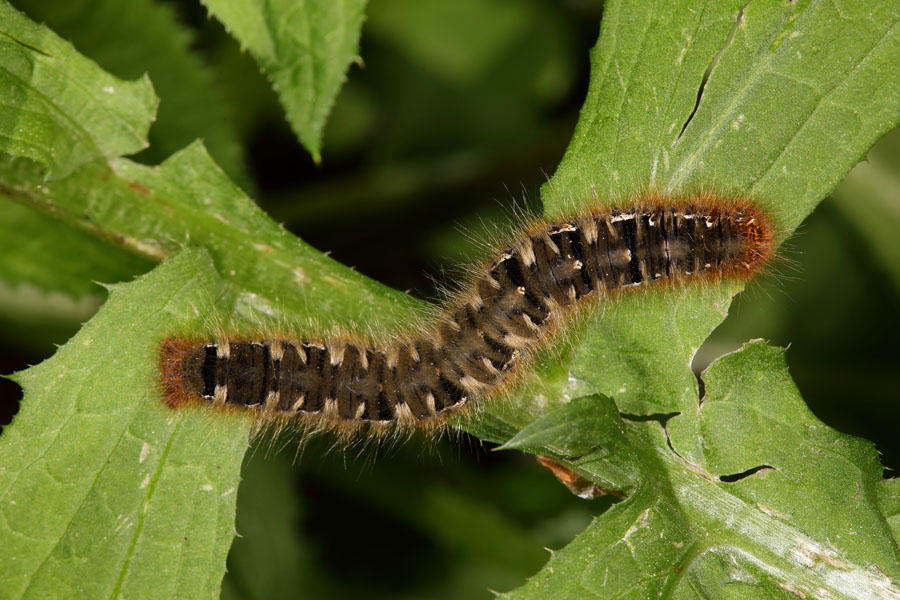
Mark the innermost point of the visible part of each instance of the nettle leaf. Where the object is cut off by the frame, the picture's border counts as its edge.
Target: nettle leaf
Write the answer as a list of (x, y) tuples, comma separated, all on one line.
[(304, 47), (47, 262), (782, 117), (149, 38), (189, 201), (641, 124), (105, 493), (778, 100), (59, 110), (781, 504)]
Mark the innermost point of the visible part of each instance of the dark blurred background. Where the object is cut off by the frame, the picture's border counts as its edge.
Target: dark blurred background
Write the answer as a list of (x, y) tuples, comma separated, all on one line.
[(428, 147)]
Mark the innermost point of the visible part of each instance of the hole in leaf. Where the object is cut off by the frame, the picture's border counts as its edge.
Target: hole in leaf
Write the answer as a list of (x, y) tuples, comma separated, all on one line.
[(661, 418), (738, 21), (744, 474), (10, 393)]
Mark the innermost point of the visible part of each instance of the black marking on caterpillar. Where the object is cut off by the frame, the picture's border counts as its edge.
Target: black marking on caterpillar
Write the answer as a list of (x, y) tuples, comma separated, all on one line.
[(473, 349)]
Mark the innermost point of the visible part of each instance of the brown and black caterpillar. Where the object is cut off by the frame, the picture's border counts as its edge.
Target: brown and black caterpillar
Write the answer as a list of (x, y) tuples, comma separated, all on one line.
[(488, 332)]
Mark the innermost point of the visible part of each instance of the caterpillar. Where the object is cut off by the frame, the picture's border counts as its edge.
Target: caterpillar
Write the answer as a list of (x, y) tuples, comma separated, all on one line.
[(480, 340)]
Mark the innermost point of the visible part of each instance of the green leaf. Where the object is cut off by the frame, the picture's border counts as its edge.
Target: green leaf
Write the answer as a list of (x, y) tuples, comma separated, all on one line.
[(103, 491), (59, 109), (889, 498), (188, 201), (148, 38), (798, 94), (776, 97), (754, 132), (305, 48), (567, 429), (780, 503), (587, 430), (644, 84)]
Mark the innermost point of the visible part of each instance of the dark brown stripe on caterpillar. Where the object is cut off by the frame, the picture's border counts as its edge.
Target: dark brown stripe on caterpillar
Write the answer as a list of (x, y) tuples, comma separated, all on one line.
[(479, 341)]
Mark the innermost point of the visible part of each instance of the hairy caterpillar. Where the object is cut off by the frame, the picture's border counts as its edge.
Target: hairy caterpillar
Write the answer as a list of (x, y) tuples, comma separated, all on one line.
[(483, 336)]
